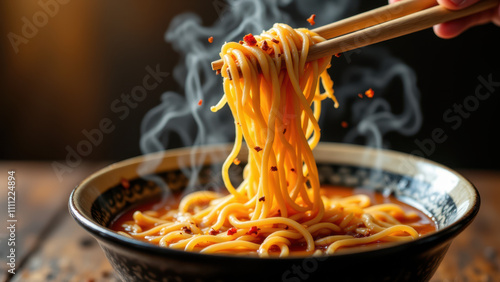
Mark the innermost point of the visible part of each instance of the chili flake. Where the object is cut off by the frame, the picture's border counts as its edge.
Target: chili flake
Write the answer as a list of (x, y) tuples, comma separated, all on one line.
[(292, 169), (338, 55), (213, 232), (250, 40), (369, 93), (125, 183), (253, 230), (274, 168), (265, 46), (262, 199), (232, 231), (211, 39), (257, 148), (186, 229), (200, 102), (275, 40), (236, 161), (311, 19), (344, 124)]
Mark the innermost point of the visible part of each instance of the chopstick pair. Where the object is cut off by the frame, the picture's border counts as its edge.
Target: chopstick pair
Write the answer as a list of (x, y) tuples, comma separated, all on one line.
[(383, 23)]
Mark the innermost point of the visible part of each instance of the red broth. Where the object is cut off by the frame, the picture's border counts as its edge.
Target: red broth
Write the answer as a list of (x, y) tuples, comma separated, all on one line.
[(423, 224)]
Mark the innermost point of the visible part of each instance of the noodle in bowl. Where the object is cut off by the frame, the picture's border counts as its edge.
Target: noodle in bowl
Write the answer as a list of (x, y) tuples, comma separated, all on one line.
[(443, 194)]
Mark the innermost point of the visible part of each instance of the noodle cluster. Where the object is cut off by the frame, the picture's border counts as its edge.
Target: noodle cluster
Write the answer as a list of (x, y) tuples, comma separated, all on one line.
[(278, 210)]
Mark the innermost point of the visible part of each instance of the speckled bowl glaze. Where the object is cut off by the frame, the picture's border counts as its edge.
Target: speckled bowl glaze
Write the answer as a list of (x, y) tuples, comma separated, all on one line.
[(445, 195)]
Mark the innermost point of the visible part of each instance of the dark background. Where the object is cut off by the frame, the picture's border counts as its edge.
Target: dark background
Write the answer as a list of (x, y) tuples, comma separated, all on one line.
[(64, 79)]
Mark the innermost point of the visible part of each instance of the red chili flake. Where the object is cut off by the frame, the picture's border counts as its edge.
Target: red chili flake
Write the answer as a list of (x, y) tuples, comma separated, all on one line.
[(241, 42), (338, 55), (125, 183), (213, 232), (250, 40), (360, 95), (253, 230), (274, 168), (311, 19), (275, 40), (286, 228), (292, 169), (257, 148), (236, 161), (200, 102), (284, 131), (186, 229), (229, 75), (265, 46), (232, 231), (262, 199), (217, 72), (211, 39), (344, 124), (369, 93)]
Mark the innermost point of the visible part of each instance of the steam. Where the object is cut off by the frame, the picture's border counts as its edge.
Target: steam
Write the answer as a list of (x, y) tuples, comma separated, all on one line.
[(375, 117), (179, 114)]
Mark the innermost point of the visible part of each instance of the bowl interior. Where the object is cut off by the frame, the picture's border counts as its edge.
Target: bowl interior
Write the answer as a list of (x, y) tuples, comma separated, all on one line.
[(443, 194)]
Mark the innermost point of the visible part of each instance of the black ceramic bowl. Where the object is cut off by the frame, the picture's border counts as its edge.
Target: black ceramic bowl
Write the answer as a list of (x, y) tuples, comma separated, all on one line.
[(445, 195)]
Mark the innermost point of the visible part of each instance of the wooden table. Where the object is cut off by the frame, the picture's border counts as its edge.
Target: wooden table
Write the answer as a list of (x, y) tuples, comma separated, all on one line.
[(50, 246)]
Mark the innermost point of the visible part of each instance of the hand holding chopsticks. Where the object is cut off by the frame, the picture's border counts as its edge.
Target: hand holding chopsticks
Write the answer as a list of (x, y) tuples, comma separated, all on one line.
[(384, 23), (454, 28)]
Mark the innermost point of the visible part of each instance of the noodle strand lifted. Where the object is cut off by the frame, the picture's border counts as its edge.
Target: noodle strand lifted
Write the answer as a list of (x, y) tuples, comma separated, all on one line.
[(275, 97)]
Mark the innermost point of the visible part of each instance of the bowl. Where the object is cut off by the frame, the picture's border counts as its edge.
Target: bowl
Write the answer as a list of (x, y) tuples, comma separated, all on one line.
[(446, 196)]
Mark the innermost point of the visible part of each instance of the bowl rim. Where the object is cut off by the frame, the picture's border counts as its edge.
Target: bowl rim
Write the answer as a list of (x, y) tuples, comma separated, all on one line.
[(102, 233)]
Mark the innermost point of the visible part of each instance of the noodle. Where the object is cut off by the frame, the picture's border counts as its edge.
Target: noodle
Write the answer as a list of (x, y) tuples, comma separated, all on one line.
[(275, 97)]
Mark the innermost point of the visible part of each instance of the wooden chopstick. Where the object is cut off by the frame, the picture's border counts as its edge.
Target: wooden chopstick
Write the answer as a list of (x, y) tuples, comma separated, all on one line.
[(383, 23), (398, 27), (364, 20), (373, 17)]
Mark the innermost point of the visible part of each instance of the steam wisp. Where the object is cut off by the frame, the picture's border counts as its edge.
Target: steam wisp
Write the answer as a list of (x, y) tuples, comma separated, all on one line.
[(180, 113)]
